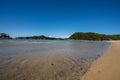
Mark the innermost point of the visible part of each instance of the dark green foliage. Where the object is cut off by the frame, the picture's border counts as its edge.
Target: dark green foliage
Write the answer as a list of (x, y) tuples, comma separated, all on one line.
[(93, 36), (4, 36)]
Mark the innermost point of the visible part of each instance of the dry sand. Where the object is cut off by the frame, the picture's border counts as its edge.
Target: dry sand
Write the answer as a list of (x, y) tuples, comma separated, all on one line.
[(106, 67)]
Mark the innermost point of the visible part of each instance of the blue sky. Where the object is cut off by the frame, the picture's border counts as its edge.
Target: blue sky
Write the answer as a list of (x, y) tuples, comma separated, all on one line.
[(59, 18)]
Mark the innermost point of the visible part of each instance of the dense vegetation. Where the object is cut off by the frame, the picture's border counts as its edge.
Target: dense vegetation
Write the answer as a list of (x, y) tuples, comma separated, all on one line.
[(93, 36), (4, 36), (39, 37)]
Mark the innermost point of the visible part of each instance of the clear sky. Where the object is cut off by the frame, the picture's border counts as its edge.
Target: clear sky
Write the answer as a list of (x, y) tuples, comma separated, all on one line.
[(59, 18)]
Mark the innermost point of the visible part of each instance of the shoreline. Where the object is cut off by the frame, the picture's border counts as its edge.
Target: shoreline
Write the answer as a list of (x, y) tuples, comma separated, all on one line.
[(107, 66)]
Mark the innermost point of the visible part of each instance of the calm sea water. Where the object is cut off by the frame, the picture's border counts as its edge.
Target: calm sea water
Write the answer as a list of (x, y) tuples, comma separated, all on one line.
[(47, 59), (87, 49)]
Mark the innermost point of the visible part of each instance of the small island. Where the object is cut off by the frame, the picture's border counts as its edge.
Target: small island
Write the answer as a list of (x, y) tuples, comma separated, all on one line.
[(4, 36)]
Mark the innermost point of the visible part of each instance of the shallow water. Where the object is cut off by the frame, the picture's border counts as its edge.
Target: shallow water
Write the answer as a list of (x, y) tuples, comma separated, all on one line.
[(47, 59)]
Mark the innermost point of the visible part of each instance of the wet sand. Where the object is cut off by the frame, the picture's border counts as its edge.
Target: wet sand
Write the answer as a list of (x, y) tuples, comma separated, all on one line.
[(106, 67)]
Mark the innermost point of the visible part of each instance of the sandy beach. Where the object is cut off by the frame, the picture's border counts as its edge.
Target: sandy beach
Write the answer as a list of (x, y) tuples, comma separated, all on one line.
[(107, 66)]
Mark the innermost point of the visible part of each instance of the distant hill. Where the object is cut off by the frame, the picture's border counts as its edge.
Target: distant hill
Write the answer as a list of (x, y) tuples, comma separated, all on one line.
[(4, 36), (93, 36), (42, 37), (75, 36)]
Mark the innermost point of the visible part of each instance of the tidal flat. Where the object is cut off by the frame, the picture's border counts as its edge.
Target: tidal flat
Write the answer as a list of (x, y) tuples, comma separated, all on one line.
[(47, 59)]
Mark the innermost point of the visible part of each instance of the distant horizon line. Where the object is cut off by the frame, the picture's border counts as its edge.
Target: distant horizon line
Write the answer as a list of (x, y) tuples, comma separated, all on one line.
[(61, 36)]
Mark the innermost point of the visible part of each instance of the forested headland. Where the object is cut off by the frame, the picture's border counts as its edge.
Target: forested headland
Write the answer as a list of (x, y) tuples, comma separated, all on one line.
[(93, 36)]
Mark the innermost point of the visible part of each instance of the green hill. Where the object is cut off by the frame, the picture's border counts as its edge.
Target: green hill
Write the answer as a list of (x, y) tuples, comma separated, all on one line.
[(93, 36)]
